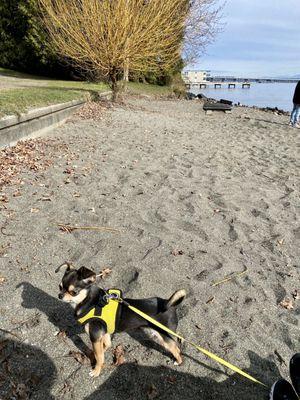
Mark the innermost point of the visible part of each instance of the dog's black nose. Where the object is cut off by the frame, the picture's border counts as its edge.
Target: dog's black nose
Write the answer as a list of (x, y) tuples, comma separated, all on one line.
[(60, 296)]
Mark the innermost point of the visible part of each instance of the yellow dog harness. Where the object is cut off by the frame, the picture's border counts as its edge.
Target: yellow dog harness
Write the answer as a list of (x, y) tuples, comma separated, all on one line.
[(108, 313)]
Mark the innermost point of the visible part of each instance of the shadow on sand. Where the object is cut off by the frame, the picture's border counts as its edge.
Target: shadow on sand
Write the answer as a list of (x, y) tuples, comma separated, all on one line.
[(271, 122), (59, 314), (28, 373)]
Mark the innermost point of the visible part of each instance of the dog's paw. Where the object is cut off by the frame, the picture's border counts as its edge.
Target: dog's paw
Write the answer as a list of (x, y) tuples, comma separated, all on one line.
[(178, 361), (95, 372)]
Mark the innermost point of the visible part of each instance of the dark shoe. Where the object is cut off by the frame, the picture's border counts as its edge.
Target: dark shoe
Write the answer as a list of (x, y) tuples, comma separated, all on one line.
[(295, 372), (283, 390)]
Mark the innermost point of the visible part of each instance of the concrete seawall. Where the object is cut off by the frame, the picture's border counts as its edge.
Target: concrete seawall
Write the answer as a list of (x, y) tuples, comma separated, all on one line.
[(37, 122)]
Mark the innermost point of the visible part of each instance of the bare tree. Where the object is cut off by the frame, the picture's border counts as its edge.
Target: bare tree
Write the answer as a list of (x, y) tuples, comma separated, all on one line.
[(202, 25), (110, 37)]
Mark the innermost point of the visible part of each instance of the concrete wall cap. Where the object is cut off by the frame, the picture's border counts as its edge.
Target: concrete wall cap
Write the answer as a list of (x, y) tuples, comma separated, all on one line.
[(11, 120)]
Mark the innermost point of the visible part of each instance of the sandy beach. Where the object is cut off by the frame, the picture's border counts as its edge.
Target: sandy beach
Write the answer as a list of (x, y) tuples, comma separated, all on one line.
[(197, 199)]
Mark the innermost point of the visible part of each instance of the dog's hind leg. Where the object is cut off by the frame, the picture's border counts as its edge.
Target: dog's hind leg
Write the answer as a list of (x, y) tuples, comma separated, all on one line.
[(168, 344)]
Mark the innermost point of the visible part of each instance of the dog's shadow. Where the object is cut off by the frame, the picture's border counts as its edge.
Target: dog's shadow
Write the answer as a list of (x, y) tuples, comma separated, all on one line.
[(33, 373), (60, 314), (132, 381)]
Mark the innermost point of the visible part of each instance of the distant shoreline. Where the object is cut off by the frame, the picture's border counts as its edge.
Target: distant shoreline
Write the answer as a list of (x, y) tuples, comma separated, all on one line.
[(264, 95)]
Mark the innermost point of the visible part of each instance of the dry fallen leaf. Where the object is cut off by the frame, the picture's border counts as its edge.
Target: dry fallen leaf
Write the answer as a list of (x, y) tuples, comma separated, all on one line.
[(177, 252), (66, 228), (26, 155), (34, 210), (25, 269), (152, 392), (68, 171), (280, 242), (104, 273), (21, 391), (79, 357), (3, 198), (3, 344), (296, 295), (3, 249), (287, 303), (171, 379), (45, 198), (119, 355), (61, 334), (2, 279), (91, 110)]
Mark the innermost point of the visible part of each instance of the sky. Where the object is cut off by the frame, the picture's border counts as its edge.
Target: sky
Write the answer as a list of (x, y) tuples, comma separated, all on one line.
[(259, 38)]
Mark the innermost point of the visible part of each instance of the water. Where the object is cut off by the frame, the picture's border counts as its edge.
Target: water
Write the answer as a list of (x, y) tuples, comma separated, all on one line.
[(278, 95)]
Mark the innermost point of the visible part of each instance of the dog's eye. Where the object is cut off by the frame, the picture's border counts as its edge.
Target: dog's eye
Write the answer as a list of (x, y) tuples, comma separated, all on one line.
[(73, 292)]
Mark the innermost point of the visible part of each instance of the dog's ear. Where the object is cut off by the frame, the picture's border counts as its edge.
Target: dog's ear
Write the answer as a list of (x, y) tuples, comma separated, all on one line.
[(86, 275)]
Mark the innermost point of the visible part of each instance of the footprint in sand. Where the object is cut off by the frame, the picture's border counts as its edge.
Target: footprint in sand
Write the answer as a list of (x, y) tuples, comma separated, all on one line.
[(233, 236), (130, 280)]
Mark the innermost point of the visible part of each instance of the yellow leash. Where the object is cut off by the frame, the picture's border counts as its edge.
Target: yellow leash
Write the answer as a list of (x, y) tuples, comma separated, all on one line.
[(206, 352)]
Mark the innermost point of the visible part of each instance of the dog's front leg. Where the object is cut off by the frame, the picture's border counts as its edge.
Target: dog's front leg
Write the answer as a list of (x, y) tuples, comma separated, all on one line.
[(98, 347)]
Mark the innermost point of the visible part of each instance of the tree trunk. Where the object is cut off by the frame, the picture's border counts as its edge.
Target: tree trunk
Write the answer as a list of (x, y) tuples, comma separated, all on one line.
[(126, 73), (113, 76), (117, 86)]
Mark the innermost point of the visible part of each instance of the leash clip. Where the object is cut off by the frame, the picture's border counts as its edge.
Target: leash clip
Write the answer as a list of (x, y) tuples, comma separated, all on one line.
[(111, 296)]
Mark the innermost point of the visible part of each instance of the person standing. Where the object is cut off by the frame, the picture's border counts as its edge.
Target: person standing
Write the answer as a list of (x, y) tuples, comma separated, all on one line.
[(296, 110)]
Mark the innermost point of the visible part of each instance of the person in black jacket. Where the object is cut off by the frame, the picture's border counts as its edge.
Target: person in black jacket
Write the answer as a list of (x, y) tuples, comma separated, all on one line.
[(296, 110), (283, 389)]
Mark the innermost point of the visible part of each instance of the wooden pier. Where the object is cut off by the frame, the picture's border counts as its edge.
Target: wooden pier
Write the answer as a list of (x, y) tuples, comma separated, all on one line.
[(231, 82), (218, 85)]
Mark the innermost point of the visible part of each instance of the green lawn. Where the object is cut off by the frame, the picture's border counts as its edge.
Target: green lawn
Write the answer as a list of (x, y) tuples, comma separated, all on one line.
[(85, 86), (14, 101), (41, 91), (54, 83), (151, 90), (16, 74)]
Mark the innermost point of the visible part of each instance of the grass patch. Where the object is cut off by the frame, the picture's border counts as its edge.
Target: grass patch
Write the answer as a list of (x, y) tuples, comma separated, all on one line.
[(42, 91), (87, 86), (16, 74), (54, 83), (137, 88), (175, 90), (14, 101)]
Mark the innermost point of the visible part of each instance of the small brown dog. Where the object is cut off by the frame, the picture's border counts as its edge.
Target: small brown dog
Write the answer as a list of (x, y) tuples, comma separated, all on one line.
[(94, 310)]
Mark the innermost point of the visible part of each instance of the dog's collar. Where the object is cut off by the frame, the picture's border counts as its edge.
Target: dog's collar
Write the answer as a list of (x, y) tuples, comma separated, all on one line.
[(108, 313)]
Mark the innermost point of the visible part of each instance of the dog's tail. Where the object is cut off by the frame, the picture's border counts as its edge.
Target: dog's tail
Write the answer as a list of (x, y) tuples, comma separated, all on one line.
[(176, 299)]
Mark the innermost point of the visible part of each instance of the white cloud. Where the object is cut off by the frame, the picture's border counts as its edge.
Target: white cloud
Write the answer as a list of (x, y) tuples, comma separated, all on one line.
[(260, 37)]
